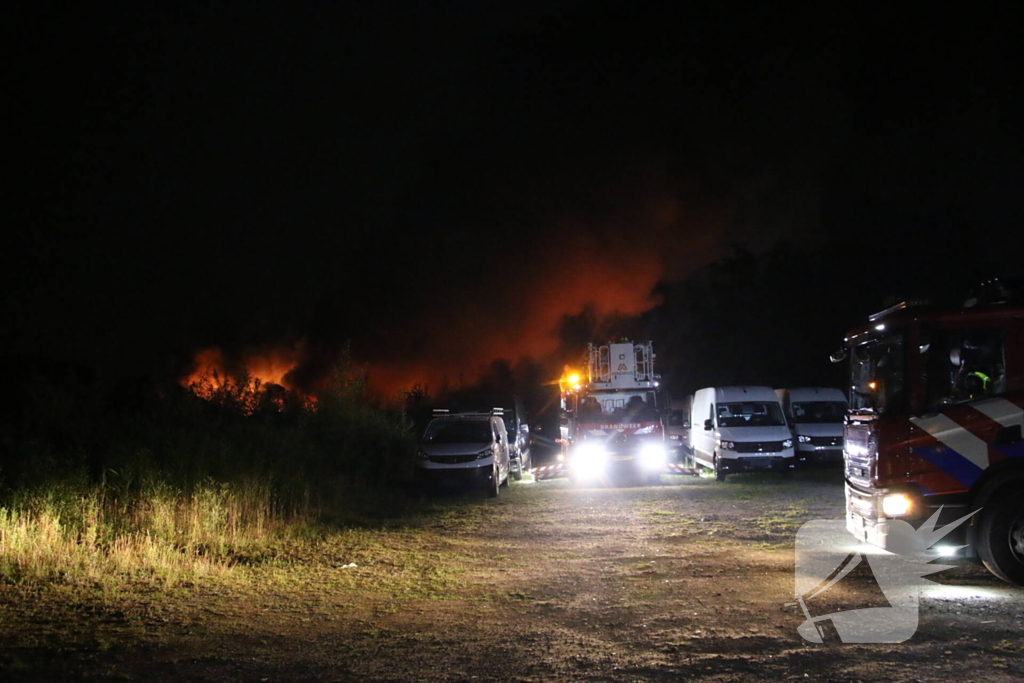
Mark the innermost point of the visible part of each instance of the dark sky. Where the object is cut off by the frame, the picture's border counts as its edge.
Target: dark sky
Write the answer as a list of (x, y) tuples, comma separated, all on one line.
[(441, 183)]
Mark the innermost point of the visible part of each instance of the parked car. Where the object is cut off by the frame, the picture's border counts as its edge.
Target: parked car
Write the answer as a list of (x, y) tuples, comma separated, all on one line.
[(677, 427), (740, 429), (465, 450), (518, 441), (815, 416)]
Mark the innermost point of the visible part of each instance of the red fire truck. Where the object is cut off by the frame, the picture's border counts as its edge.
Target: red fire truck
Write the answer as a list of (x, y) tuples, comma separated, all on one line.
[(611, 418), (935, 421)]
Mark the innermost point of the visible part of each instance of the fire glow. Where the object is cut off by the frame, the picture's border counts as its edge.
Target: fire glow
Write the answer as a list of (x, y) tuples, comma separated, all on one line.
[(249, 380)]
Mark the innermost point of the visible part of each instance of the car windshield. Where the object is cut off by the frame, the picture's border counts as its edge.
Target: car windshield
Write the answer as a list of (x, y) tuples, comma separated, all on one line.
[(818, 412), (750, 414), (876, 375), (459, 431)]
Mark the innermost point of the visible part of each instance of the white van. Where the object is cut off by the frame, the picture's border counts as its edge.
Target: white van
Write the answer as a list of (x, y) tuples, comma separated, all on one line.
[(815, 415), (740, 429)]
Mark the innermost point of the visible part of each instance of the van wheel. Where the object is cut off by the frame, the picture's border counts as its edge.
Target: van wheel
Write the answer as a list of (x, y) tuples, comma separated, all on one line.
[(719, 474), (517, 471), (492, 485), (1001, 538), (507, 481)]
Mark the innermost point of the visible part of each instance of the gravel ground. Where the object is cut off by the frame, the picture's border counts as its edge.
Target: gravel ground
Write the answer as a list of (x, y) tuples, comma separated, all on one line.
[(692, 579)]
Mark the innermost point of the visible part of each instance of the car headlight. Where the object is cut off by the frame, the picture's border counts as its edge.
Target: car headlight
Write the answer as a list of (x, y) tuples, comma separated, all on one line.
[(803, 439), (788, 443), (727, 445), (653, 455), (485, 453), (896, 505)]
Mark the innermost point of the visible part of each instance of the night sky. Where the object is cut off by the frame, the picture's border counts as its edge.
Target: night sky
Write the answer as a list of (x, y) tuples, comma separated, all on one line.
[(444, 184)]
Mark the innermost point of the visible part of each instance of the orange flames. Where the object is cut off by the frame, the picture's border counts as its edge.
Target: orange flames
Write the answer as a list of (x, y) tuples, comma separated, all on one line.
[(256, 377)]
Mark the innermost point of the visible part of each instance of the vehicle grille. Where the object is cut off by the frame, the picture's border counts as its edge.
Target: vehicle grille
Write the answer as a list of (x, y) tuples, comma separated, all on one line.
[(452, 459), (861, 503), (758, 446), (859, 453), (826, 441)]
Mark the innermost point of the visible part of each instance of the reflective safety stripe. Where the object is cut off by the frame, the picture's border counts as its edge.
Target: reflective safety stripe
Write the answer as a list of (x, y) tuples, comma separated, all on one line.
[(1002, 411), (956, 438)]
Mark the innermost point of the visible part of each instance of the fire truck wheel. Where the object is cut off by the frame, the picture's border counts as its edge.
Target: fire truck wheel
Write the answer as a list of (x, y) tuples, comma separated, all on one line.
[(492, 485), (1001, 537)]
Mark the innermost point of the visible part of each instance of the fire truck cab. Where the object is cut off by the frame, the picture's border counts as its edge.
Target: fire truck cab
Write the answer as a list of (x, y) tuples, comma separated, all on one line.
[(611, 421), (935, 421)]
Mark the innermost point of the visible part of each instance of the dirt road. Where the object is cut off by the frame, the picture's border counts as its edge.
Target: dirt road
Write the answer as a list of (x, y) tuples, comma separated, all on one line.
[(687, 580)]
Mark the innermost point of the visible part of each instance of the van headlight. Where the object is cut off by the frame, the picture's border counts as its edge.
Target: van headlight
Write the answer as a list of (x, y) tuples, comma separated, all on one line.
[(788, 443), (727, 445), (485, 453), (803, 439)]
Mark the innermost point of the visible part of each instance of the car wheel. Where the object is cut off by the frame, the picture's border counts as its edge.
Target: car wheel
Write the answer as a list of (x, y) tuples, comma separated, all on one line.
[(1001, 537), (493, 484)]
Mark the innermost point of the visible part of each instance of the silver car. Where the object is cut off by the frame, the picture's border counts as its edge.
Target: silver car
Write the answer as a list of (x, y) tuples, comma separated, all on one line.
[(464, 450)]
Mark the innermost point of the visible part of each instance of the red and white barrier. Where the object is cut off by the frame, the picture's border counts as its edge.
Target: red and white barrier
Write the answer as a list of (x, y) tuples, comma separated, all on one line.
[(548, 471), (560, 470), (676, 468)]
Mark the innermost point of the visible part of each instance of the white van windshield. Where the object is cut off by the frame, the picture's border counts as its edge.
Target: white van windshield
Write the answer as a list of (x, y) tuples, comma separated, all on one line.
[(750, 414), (818, 412)]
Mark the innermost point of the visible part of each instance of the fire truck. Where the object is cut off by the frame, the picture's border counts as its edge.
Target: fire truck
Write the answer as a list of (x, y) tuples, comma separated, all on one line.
[(935, 421), (611, 416)]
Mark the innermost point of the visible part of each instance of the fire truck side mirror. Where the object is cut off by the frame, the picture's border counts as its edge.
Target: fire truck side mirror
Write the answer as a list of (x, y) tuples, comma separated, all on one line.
[(709, 424)]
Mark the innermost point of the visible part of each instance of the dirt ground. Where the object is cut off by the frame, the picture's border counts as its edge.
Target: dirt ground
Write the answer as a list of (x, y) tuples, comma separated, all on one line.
[(689, 580)]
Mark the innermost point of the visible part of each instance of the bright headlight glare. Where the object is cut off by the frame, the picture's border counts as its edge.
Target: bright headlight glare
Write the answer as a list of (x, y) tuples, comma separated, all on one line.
[(653, 455), (589, 459), (803, 439), (589, 451), (788, 443), (896, 505)]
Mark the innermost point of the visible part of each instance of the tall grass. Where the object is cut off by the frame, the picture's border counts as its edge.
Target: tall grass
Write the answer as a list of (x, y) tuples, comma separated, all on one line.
[(166, 487)]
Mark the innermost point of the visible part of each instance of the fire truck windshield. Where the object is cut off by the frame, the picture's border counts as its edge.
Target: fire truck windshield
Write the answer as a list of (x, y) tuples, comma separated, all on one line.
[(618, 408), (877, 377)]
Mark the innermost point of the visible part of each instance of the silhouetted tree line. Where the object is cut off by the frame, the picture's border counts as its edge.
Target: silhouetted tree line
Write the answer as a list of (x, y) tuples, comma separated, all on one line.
[(63, 424)]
